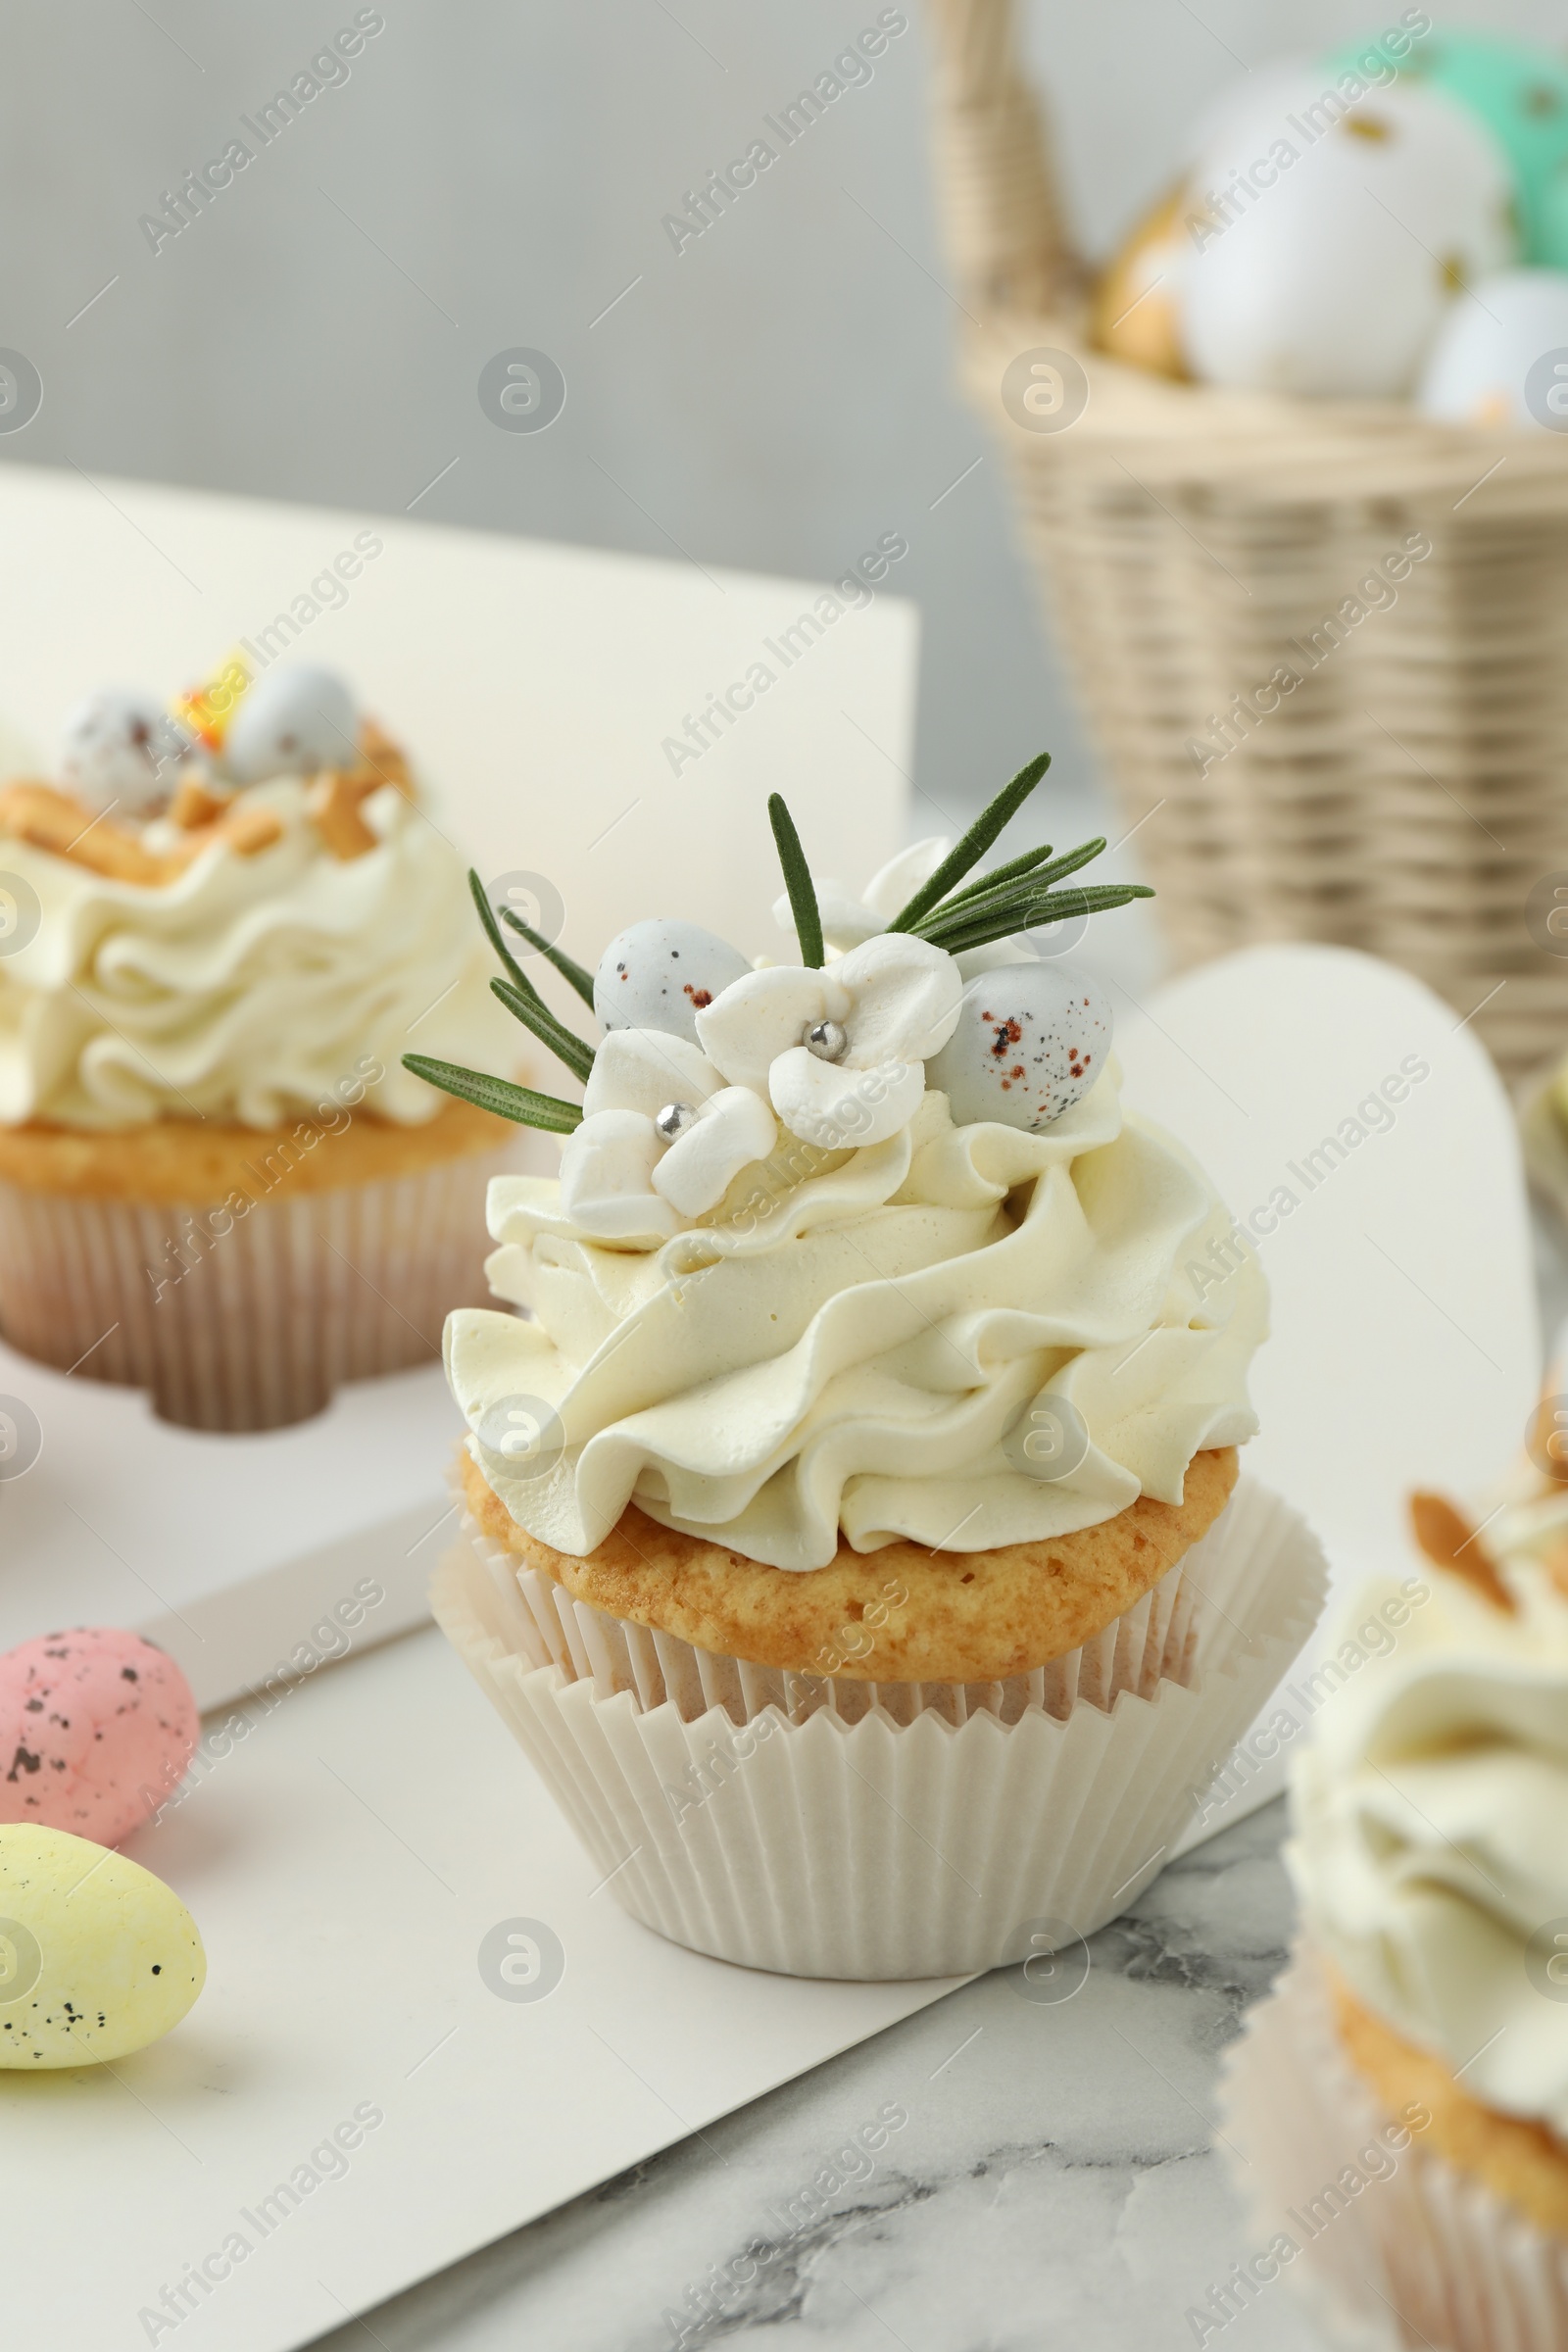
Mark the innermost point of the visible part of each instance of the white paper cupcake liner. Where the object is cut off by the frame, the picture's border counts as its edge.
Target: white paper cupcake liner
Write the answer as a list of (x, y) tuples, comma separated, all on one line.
[(854, 1829), (1424, 2255), (256, 1327)]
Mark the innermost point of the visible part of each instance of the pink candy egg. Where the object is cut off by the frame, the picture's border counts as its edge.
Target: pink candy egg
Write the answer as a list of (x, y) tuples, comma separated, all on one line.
[(97, 1728)]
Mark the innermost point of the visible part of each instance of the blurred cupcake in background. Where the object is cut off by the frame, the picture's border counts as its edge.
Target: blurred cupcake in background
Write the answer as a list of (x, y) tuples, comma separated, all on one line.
[(1401, 2101), (219, 928)]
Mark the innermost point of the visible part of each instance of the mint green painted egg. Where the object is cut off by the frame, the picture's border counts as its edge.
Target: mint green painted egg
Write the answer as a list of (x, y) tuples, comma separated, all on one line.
[(1519, 93)]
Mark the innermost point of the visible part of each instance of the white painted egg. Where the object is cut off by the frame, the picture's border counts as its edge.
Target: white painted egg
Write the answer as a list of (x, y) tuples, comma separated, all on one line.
[(122, 750), (1501, 357), (1331, 236), (1265, 94), (291, 722), (661, 974), (97, 1957), (1031, 1039)]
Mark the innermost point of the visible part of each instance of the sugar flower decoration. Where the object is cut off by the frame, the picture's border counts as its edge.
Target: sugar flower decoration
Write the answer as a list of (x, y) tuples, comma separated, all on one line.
[(662, 1138), (839, 1052), (833, 1046)]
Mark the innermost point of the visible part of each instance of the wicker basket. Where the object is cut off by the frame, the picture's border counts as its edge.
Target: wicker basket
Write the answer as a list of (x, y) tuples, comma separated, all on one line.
[(1408, 795)]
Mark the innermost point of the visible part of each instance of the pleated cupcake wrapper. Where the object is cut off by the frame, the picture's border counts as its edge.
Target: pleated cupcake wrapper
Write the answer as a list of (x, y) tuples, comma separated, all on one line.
[(887, 1830), (256, 1327), (1426, 2254)]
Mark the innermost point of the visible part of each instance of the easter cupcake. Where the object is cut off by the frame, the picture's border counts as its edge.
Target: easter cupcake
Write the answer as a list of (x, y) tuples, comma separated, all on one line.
[(1414, 2064), (218, 931), (851, 1533)]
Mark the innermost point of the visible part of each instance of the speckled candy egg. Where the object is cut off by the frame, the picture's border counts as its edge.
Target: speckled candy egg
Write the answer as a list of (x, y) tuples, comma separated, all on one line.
[(121, 751), (1031, 1039), (1332, 239), (291, 722), (661, 975), (97, 1728), (97, 1957)]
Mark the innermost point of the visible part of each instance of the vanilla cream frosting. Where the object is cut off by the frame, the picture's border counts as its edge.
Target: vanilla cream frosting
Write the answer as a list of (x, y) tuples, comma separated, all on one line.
[(843, 1342), (1430, 1844), (249, 989)]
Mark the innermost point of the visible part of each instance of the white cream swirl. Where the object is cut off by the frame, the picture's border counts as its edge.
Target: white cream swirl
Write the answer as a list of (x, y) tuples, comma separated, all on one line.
[(249, 988), (847, 1350), (1430, 1812)]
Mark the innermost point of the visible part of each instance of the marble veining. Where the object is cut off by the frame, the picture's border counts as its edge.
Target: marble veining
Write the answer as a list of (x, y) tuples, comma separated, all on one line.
[(1054, 2180)]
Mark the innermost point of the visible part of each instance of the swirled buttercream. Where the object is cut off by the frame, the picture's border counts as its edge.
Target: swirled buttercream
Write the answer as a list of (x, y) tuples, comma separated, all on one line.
[(1430, 1844), (248, 988), (843, 1342)]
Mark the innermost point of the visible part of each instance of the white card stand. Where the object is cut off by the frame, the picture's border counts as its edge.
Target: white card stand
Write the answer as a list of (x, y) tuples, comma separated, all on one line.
[(1405, 1347)]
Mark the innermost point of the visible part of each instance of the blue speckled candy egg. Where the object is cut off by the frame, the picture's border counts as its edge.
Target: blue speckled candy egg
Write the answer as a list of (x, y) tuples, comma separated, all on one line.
[(292, 722), (661, 975), (121, 751), (1031, 1039)]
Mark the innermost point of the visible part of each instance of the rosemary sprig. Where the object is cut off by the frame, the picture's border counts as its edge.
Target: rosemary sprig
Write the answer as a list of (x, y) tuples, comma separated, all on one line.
[(1001, 873), (998, 897), (507, 1102), (1054, 908), (563, 1043), (974, 845), (799, 884), (581, 981), (492, 932)]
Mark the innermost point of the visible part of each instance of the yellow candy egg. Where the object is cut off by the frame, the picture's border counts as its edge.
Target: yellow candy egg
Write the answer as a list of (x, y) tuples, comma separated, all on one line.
[(97, 1957)]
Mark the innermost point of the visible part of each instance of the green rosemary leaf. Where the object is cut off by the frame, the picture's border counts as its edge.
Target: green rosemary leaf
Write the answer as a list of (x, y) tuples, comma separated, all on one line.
[(798, 882), (578, 1058), (487, 916), (507, 1102), (1097, 899), (1003, 873), (981, 931), (1022, 890), (975, 843), (581, 981)]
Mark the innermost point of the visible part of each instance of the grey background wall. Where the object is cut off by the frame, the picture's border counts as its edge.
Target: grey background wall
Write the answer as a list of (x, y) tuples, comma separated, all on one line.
[(494, 173)]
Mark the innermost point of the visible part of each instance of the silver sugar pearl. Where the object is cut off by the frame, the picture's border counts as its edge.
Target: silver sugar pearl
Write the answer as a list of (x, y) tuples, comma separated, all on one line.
[(675, 1119), (827, 1039)]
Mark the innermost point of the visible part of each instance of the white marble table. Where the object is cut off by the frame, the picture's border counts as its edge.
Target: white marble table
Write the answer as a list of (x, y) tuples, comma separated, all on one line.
[(1056, 2182)]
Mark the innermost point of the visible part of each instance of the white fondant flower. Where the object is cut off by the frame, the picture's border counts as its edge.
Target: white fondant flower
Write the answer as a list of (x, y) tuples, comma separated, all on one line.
[(624, 1181), (848, 920), (896, 1000), (607, 1180)]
